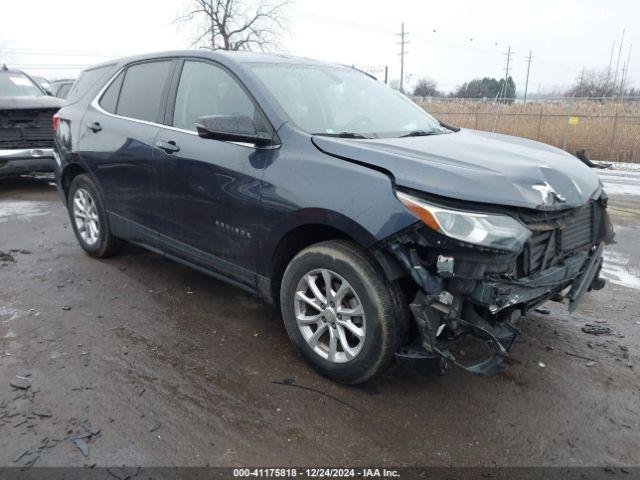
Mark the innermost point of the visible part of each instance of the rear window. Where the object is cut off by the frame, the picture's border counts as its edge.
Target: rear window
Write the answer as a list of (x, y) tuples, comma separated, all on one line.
[(86, 81), (142, 90), (16, 84)]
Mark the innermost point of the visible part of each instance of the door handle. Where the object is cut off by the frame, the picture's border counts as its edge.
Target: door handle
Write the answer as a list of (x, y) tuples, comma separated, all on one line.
[(168, 147), (94, 127)]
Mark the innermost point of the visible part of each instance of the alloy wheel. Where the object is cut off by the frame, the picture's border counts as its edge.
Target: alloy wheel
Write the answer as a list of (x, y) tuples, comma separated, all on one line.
[(330, 315), (85, 215)]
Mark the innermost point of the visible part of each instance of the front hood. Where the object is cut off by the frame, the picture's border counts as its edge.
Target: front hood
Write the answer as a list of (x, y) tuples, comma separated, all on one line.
[(476, 166), (30, 103)]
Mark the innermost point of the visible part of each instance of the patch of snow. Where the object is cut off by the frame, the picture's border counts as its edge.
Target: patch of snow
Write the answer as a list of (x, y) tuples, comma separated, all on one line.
[(629, 174), (621, 182), (616, 269), (10, 334), (8, 314), (634, 167), (20, 208)]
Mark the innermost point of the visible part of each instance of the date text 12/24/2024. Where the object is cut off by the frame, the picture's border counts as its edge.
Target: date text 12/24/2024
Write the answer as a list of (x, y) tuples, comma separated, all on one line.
[(315, 473)]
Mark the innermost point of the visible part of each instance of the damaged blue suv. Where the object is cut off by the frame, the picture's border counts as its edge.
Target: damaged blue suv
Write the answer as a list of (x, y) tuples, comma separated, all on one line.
[(382, 233)]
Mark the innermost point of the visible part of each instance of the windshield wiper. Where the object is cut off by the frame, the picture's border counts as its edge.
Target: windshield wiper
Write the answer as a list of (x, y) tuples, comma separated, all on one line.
[(422, 133), (342, 135)]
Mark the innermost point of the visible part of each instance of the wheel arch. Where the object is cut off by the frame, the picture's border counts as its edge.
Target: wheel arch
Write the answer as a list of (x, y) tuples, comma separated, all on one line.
[(308, 228), (313, 227), (70, 172)]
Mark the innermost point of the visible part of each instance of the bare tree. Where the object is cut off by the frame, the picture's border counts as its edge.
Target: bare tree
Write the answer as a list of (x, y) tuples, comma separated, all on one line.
[(426, 87), (592, 83), (238, 24)]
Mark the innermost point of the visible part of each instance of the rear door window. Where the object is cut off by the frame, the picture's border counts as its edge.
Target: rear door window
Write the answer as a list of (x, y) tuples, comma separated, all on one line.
[(143, 89)]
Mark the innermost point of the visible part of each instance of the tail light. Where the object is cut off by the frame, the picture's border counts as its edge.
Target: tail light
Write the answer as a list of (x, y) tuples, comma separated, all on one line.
[(54, 123)]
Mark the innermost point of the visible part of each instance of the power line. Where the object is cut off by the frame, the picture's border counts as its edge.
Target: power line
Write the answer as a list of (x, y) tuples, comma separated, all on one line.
[(430, 37), (347, 23), (34, 52), (423, 33), (43, 65), (381, 28), (49, 67), (402, 43)]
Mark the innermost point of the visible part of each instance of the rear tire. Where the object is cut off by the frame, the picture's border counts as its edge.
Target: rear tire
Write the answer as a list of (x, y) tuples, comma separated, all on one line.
[(365, 344), (89, 219)]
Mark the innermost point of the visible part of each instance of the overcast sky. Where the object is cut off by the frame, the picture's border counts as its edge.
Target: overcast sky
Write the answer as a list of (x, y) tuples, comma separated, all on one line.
[(449, 41)]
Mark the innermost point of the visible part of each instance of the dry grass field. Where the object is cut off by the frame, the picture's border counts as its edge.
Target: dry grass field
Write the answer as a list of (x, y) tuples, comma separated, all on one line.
[(608, 130)]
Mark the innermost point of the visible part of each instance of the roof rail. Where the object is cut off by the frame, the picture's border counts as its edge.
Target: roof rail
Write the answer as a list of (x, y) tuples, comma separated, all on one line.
[(353, 67)]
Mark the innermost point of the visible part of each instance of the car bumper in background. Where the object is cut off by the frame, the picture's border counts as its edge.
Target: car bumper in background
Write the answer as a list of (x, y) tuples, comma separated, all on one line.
[(26, 160)]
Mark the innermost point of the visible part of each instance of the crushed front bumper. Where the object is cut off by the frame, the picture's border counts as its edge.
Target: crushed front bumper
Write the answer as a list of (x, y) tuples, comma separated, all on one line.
[(464, 292), (26, 160)]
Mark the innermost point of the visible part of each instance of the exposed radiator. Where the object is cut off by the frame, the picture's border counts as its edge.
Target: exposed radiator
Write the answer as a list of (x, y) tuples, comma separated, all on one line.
[(548, 247)]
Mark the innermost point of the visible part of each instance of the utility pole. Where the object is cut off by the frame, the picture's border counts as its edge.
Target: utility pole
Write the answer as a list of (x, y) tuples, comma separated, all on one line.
[(526, 85), (503, 91), (509, 54), (625, 71), (402, 53), (613, 47), (615, 77), (581, 81)]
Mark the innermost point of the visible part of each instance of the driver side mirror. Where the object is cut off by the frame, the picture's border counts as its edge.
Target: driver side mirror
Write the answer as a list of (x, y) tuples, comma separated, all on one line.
[(232, 128)]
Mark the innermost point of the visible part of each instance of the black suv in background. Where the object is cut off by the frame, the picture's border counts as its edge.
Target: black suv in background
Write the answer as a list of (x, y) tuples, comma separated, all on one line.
[(379, 231), (26, 114)]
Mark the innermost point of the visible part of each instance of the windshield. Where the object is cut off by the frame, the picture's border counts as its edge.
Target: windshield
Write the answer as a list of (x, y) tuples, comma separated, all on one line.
[(14, 84), (334, 100)]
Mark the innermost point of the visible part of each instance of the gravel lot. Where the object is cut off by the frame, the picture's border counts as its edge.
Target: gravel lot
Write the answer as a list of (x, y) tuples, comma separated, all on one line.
[(140, 361)]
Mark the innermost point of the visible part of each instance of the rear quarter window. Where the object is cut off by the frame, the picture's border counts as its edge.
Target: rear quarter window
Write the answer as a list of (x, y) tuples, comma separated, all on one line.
[(87, 80), (109, 100)]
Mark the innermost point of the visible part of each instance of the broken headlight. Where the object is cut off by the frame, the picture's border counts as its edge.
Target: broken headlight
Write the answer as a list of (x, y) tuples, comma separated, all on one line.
[(490, 230)]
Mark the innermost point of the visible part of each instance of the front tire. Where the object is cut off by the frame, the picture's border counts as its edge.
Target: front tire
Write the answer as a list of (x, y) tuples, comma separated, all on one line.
[(339, 312), (89, 219)]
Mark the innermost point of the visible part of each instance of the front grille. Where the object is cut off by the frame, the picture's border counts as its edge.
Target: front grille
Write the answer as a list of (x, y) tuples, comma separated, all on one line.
[(26, 129), (549, 247)]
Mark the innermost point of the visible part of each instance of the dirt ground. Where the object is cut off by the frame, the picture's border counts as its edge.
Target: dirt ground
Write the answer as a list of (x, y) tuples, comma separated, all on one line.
[(140, 361)]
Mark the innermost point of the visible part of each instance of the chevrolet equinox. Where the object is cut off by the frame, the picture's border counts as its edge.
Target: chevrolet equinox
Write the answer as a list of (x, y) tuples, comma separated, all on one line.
[(379, 231)]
